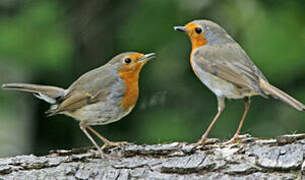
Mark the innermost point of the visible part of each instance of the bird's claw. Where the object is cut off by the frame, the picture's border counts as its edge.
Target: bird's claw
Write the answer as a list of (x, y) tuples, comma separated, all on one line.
[(206, 141), (113, 144), (236, 139)]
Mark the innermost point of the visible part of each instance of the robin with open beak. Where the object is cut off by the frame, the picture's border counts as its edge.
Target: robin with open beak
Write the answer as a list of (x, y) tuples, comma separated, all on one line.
[(225, 68), (100, 96)]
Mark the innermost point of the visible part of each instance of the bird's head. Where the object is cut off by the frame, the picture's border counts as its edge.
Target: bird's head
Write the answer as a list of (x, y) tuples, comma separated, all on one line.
[(202, 32), (130, 63)]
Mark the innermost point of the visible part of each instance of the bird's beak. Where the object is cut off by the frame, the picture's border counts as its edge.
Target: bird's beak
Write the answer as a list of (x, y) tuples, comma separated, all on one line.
[(180, 28), (147, 57)]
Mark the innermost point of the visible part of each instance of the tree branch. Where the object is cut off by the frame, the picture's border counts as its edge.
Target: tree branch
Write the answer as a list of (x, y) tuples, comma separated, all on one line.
[(253, 158)]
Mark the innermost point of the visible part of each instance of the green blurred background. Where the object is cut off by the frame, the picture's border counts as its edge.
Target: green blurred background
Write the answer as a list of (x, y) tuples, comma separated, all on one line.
[(53, 42)]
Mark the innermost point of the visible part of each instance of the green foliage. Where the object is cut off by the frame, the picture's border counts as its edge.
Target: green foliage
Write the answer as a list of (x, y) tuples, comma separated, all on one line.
[(272, 37), (53, 42), (36, 36)]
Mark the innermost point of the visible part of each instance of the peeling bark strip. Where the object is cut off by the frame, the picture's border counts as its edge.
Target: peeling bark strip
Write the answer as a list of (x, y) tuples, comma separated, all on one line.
[(280, 158)]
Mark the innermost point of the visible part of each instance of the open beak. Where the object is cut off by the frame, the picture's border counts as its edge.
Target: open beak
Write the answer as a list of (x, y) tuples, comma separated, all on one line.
[(180, 28), (148, 57)]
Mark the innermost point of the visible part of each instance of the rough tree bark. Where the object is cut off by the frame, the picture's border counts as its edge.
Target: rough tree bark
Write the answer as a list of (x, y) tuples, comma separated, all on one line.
[(252, 158)]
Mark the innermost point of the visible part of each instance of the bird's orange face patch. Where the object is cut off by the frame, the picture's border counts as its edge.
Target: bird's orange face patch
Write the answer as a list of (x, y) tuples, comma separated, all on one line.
[(131, 63), (130, 74), (197, 39)]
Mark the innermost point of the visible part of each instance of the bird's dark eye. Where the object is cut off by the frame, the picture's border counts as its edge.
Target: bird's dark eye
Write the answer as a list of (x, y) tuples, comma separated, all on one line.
[(127, 60), (198, 30)]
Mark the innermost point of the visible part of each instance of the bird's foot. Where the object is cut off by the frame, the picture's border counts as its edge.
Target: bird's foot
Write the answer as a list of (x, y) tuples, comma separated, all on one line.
[(201, 142), (233, 140), (239, 138), (113, 144), (205, 141)]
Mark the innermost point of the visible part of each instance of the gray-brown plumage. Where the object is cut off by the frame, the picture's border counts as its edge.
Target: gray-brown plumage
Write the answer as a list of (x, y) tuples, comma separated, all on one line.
[(100, 96), (224, 67)]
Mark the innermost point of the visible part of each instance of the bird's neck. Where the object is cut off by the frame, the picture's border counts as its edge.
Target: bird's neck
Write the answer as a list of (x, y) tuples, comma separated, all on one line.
[(197, 42), (131, 92)]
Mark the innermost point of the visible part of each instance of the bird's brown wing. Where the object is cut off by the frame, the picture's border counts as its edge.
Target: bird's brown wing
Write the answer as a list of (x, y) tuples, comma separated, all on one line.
[(77, 100), (229, 62), (90, 88)]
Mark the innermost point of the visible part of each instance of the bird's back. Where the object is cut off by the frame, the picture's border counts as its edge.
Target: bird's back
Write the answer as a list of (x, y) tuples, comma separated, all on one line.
[(95, 96)]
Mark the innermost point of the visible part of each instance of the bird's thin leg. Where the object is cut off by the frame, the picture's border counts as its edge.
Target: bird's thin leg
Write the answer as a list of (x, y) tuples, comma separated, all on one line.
[(106, 141), (221, 107), (234, 139), (83, 128)]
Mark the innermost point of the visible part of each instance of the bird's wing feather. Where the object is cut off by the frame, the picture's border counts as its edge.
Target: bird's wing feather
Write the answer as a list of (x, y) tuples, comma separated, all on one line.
[(88, 89), (80, 99), (229, 62), (95, 80)]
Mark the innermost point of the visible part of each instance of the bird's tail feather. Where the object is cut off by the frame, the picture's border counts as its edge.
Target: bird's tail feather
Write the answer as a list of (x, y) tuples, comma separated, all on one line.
[(49, 94), (52, 111), (277, 93)]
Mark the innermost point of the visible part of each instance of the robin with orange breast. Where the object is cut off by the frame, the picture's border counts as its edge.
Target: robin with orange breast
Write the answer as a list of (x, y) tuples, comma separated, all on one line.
[(225, 68), (100, 96)]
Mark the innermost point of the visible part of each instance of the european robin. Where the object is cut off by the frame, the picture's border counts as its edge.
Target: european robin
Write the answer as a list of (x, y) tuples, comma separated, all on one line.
[(225, 68), (100, 96)]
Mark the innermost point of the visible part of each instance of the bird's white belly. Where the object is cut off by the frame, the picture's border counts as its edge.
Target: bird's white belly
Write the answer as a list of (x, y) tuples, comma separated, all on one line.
[(217, 85), (99, 113)]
